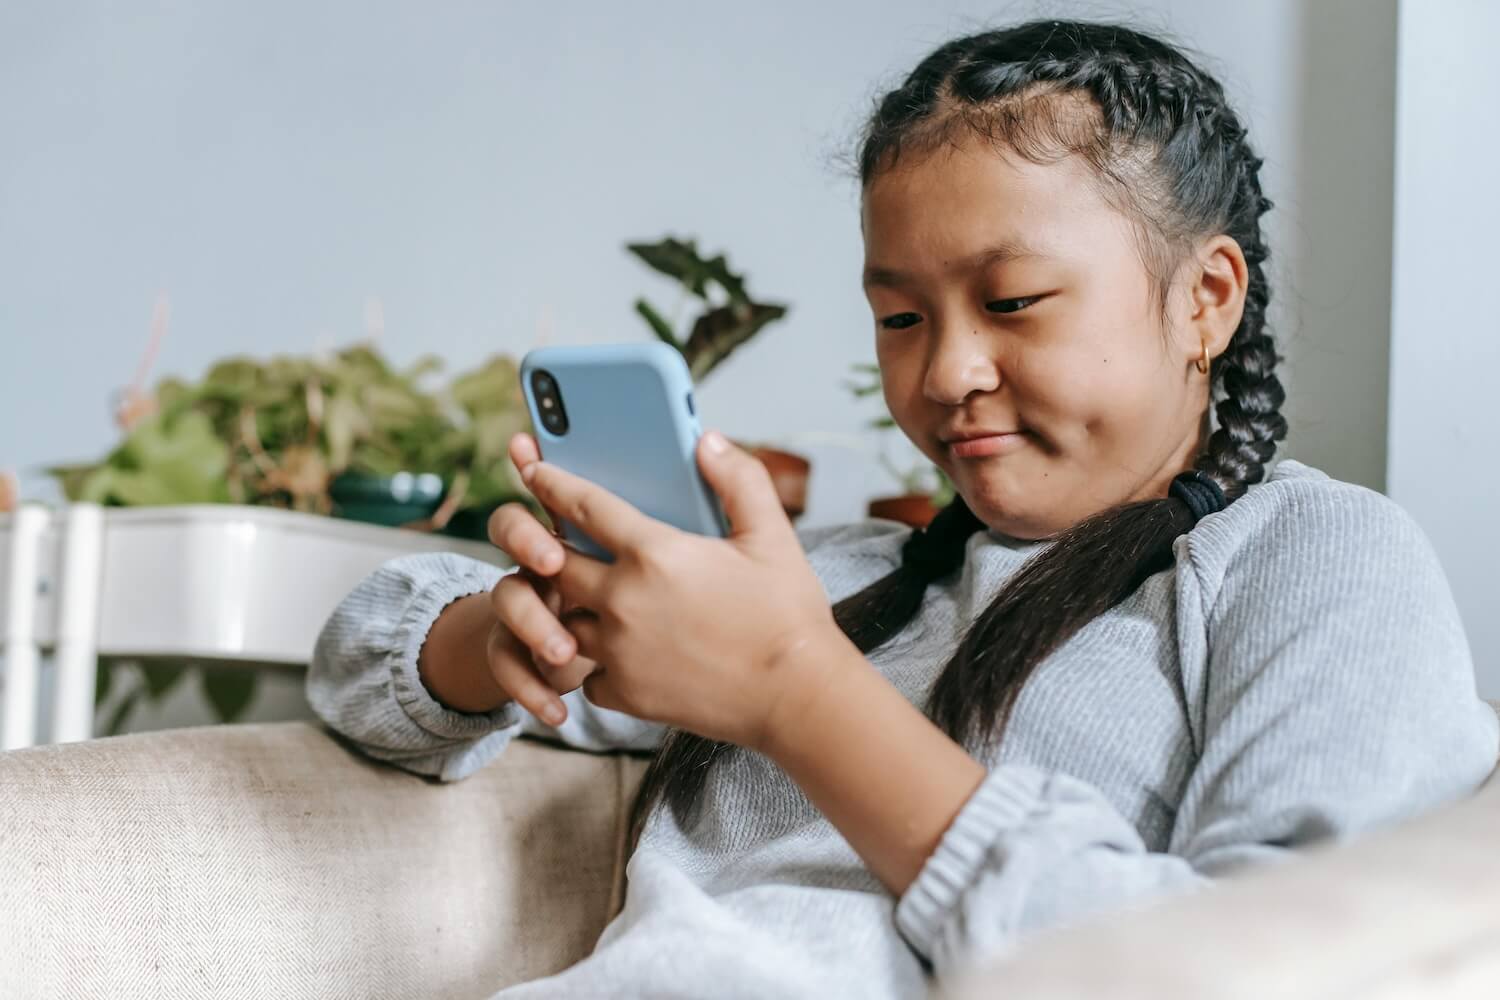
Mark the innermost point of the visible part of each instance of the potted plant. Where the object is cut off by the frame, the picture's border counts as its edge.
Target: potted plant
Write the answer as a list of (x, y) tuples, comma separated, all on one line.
[(346, 435), (925, 488), (729, 317)]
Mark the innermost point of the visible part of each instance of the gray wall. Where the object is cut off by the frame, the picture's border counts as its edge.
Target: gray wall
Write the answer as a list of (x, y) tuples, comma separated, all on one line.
[(1445, 344), (475, 167)]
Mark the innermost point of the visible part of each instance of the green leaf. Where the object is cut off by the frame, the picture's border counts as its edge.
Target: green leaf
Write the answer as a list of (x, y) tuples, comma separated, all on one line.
[(493, 386), (676, 259), (492, 434), (343, 424), (229, 691), (719, 331), (733, 284), (491, 485), (173, 395), (117, 718), (195, 449), (162, 463), (72, 479), (161, 676), (658, 323), (423, 366), (103, 675), (388, 404), (233, 376), (363, 362)]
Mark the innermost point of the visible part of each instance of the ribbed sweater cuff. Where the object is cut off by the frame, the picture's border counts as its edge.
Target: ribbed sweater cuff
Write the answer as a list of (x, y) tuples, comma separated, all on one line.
[(1005, 798), (421, 611)]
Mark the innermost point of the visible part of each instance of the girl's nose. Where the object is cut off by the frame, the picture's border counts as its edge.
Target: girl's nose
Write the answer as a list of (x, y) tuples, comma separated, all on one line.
[(959, 365)]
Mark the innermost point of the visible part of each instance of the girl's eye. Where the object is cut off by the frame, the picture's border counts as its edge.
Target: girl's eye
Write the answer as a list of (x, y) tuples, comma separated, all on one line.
[(1011, 305), (900, 321)]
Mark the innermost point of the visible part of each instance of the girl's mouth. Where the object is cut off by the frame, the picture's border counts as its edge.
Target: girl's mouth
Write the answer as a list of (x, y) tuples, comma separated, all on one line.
[(986, 445)]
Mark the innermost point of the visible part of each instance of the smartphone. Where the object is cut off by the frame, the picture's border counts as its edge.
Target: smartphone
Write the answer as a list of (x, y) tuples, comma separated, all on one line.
[(623, 416)]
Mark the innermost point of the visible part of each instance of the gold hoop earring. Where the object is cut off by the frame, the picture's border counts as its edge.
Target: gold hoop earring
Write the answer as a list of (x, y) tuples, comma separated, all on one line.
[(1202, 362)]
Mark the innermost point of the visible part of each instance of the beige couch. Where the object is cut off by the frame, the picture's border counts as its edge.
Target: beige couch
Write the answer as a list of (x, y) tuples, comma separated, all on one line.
[(272, 861)]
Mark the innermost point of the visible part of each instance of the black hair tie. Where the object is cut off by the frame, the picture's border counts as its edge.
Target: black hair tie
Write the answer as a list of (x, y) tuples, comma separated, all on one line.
[(938, 549), (1199, 491)]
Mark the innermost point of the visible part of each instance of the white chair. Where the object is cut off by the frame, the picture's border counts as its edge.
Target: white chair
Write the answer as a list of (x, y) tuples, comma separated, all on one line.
[(219, 583)]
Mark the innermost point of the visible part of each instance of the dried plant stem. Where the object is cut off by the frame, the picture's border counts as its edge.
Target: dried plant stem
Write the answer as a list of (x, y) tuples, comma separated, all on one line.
[(250, 437), (451, 502), (314, 409)]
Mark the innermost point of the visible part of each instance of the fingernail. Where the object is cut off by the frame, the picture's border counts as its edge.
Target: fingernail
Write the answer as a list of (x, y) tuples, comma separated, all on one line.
[(557, 649), (715, 443), (527, 471), (546, 559), (554, 713)]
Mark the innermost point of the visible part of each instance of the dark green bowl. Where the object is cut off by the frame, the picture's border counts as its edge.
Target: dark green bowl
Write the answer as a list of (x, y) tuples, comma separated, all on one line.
[(390, 500)]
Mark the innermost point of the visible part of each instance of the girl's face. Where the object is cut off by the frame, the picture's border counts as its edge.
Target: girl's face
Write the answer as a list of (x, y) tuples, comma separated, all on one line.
[(1020, 338)]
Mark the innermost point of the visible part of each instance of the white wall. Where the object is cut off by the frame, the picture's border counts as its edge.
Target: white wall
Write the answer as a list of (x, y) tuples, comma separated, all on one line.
[(477, 166), (1445, 338)]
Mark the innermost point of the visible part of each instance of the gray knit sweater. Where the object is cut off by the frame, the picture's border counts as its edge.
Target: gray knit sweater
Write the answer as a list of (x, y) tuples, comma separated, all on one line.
[(1300, 674)]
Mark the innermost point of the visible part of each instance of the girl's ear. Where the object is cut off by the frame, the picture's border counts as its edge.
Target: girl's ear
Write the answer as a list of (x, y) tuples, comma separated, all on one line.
[(1219, 280)]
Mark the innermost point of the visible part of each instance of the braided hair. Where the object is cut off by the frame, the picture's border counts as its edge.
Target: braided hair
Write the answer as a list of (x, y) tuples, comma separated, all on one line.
[(1172, 155)]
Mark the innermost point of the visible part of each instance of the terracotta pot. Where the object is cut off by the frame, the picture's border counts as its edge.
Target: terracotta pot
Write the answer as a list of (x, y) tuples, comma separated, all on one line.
[(789, 473), (915, 509)]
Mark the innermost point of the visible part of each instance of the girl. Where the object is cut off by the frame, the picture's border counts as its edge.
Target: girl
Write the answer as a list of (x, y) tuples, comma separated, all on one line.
[(1131, 657)]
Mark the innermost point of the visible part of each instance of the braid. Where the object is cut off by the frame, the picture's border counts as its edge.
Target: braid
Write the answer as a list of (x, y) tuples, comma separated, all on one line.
[(869, 618), (1173, 156), (882, 609), (1250, 420)]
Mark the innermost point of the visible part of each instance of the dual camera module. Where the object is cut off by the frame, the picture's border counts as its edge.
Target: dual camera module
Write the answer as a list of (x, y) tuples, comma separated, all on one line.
[(549, 402)]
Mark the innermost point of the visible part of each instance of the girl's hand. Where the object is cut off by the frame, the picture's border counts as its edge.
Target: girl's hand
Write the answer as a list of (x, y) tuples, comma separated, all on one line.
[(691, 631), (531, 655)]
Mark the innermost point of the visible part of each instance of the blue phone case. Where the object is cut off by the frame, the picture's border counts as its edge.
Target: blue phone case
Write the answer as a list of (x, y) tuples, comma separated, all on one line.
[(632, 428)]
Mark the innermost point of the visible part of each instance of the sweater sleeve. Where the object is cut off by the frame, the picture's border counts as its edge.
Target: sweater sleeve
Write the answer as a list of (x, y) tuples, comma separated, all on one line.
[(363, 680), (1339, 697)]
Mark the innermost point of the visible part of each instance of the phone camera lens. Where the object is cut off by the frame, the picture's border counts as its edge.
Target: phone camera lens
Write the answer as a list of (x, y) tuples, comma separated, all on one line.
[(549, 402)]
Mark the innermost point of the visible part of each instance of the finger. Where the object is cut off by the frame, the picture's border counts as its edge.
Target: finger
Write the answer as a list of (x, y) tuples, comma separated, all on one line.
[(599, 688), (582, 581), (604, 517), (546, 587), (743, 486), (508, 663), (524, 451), (585, 628), (515, 531), (567, 678), (524, 614), (549, 595)]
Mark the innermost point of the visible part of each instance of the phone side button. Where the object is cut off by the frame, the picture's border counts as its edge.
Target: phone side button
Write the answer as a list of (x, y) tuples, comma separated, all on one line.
[(691, 411)]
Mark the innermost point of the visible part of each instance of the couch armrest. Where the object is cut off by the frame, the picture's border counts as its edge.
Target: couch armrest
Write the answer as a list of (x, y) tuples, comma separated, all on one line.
[(271, 860), (1413, 911)]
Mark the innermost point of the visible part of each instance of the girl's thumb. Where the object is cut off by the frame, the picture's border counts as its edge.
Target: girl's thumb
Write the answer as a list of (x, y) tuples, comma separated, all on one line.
[(742, 484)]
